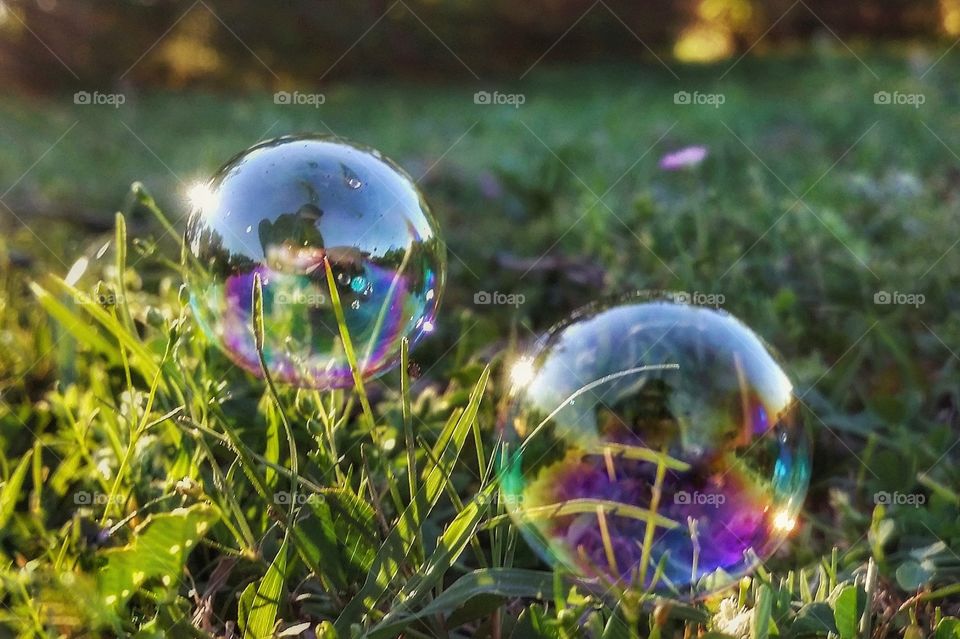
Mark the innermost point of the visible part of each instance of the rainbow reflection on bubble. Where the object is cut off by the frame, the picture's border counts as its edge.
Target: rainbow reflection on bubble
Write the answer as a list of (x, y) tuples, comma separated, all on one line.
[(659, 425), (288, 209)]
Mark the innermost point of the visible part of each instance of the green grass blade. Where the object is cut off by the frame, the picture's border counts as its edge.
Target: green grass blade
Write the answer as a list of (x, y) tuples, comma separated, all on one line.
[(502, 582), (395, 550), (263, 608), (13, 489)]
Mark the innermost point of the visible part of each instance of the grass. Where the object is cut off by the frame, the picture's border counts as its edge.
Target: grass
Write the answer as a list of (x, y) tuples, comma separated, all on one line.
[(148, 484)]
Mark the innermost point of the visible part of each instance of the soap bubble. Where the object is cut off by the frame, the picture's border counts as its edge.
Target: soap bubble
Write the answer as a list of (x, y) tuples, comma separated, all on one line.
[(283, 210), (658, 424)]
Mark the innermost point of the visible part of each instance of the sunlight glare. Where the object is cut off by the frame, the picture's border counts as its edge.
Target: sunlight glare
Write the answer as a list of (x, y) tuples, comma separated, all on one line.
[(202, 197), (784, 521), (522, 372)]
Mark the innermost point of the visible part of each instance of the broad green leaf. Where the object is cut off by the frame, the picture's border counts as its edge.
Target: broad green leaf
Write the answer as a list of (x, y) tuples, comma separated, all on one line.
[(272, 449), (911, 574), (158, 550), (355, 527), (336, 541), (263, 609), (244, 604), (815, 619), (846, 612), (948, 628)]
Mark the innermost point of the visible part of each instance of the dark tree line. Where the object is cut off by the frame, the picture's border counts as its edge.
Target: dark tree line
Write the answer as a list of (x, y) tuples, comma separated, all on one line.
[(257, 43)]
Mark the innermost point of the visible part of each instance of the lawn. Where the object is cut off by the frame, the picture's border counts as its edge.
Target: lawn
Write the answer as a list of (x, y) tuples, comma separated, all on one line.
[(142, 469)]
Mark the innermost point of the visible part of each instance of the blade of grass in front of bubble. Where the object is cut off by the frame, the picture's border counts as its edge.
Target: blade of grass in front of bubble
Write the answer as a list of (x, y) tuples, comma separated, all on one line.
[(356, 372), (654, 507), (348, 348), (329, 433), (584, 506), (385, 306), (258, 334)]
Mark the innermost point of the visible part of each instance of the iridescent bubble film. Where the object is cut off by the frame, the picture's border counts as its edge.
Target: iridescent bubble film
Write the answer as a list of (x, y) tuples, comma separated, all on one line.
[(654, 444), (287, 210)]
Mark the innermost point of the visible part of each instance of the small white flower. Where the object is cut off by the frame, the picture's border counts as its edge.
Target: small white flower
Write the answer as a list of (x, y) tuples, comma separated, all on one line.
[(732, 620)]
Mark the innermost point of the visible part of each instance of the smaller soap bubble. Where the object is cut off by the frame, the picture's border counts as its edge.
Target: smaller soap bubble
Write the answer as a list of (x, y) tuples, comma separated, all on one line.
[(654, 444), (287, 210)]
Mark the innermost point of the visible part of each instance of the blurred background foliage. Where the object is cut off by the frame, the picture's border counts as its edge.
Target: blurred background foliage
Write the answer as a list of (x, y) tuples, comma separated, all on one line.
[(209, 42)]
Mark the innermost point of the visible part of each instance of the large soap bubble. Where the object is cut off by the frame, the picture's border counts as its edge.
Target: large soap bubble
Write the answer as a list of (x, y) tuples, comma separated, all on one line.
[(654, 444), (286, 209)]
